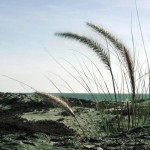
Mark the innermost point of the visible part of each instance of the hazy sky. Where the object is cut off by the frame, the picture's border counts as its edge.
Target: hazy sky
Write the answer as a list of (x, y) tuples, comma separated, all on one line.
[(27, 28)]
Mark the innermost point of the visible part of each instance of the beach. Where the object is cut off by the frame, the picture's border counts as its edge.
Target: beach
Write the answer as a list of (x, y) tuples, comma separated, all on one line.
[(29, 122)]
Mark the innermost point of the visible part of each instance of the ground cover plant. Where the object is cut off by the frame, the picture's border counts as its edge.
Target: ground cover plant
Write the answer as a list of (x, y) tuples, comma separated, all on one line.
[(30, 121)]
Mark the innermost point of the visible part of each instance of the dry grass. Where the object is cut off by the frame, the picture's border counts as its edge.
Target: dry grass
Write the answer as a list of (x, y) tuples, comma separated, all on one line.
[(128, 69), (57, 101)]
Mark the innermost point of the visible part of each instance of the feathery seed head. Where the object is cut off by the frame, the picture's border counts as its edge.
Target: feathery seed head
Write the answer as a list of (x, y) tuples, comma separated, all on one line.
[(57, 101)]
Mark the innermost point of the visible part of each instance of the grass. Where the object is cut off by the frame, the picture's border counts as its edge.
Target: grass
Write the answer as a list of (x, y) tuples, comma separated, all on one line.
[(133, 78), (127, 115)]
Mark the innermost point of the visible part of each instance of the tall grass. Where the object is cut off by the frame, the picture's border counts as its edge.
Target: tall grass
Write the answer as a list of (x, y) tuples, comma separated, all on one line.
[(132, 74), (133, 77)]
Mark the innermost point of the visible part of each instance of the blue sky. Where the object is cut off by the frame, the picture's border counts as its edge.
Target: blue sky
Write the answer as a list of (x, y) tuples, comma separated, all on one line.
[(27, 27)]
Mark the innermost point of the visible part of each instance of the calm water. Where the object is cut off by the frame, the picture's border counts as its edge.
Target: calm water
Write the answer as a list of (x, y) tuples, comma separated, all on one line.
[(100, 97)]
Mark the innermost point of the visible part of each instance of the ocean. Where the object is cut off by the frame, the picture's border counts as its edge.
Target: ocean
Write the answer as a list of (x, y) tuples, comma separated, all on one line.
[(101, 97)]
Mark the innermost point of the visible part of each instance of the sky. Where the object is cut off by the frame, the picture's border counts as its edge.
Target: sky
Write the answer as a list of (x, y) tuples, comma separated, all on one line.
[(29, 47)]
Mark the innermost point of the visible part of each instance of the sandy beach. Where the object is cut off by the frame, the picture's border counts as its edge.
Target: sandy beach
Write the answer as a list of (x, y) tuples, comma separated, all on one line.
[(28, 122)]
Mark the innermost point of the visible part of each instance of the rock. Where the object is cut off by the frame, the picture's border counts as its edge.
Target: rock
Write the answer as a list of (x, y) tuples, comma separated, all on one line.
[(92, 147), (89, 146), (99, 148)]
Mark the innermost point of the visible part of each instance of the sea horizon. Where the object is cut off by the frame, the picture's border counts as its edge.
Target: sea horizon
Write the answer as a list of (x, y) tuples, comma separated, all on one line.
[(95, 96), (102, 96)]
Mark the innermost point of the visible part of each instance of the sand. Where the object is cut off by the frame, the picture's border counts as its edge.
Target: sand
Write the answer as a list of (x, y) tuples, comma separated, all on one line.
[(29, 123)]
